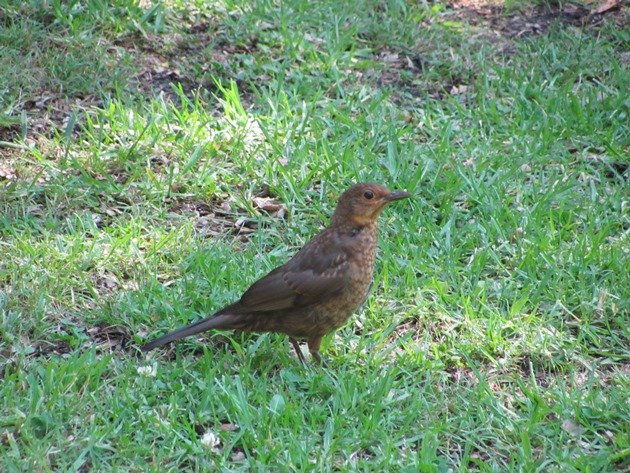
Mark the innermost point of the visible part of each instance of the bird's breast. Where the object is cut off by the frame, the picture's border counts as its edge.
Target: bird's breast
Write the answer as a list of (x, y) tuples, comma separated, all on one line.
[(361, 253)]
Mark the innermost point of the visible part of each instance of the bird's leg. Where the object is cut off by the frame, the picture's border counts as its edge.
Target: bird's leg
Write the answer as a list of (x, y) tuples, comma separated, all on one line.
[(313, 347), (298, 351)]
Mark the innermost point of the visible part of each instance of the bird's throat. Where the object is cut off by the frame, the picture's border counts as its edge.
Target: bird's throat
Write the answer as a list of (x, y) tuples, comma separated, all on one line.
[(361, 221), (356, 230)]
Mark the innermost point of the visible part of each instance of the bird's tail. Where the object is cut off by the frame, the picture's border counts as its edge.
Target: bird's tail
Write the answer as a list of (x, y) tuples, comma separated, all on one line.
[(223, 321)]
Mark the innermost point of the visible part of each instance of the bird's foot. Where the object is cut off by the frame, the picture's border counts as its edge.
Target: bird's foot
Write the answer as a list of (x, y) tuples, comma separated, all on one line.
[(313, 346), (298, 350), (319, 359)]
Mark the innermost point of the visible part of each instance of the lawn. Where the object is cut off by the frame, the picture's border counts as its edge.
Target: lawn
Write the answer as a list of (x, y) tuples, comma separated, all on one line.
[(156, 158)]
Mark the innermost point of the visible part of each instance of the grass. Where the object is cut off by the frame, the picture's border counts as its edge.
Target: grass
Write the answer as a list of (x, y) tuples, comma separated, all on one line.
[(134, 136)]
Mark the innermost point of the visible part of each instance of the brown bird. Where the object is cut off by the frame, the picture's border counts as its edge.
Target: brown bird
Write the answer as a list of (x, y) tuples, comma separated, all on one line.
[(318, 289)]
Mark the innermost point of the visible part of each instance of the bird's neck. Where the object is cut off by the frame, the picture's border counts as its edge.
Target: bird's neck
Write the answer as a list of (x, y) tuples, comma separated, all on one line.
[(354, 226)]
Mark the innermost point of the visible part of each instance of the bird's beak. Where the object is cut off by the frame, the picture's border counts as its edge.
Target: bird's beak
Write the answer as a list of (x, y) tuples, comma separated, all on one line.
[(397, 195)]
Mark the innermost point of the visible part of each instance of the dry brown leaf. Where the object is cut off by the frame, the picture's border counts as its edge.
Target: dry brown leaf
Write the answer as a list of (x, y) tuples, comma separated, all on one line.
[(228, 427), (267, 203), (245, 225), (237, 456), (313, 39), (606, 6), (572, 427), (224, 208), (459, 89), (390, 57), (7, 173)]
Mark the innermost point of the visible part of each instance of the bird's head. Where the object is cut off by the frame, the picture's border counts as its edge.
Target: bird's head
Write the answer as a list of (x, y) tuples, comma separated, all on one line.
[(363, 203)]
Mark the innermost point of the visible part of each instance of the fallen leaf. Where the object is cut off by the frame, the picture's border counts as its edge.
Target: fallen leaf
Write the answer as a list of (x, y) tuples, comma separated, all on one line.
[(7, 173), (313, 39), (228, 427), (266, 203), (606, 6), (390, 57), (572, 427), (244, 225), (570, 9), (459, 89), (224, 208)]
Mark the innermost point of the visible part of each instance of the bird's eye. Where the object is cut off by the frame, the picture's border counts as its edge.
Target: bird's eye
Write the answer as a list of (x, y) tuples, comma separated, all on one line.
[(368, 194)]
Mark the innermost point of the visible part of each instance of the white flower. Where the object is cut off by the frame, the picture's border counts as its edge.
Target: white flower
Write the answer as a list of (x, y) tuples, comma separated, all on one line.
[(211, 441), (149, 371)]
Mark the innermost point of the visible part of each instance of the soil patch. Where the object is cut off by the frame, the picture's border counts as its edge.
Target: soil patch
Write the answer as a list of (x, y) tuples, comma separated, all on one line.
[(536, 19)]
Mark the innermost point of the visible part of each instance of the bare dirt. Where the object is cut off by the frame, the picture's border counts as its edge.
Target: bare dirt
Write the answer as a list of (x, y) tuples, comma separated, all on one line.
[(535, 20)]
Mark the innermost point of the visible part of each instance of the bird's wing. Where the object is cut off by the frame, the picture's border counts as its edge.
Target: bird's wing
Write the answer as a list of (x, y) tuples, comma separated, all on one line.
[(310, 276)]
